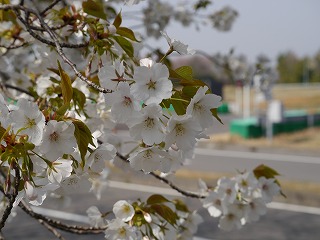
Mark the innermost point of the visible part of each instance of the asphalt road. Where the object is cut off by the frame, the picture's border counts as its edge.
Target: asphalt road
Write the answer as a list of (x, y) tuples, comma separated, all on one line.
[(291, 167), (275, 225)]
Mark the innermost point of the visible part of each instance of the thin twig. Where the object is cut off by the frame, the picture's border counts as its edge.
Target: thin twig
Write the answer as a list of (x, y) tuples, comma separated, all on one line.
[(166, 181), (49, 7), (51, 229), (58, 224)]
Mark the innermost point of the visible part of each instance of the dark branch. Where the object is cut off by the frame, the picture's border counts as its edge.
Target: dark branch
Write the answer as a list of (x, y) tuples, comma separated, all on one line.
[(49, 7), (166, 181), (58, 224), (11, 198)]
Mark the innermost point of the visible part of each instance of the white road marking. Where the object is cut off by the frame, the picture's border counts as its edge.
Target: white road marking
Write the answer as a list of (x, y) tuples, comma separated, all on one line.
[(171, 192), (61, 215), (258, 156)]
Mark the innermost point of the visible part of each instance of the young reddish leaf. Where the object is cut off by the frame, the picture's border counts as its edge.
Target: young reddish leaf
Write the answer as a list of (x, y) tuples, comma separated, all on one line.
[(156, 198), (65, 85), (117, 21), (94, 8)]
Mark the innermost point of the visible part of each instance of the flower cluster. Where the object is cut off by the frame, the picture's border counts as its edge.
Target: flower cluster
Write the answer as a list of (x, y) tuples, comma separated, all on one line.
[(47, 150), (152, 221), (58, 122), (240, 200)]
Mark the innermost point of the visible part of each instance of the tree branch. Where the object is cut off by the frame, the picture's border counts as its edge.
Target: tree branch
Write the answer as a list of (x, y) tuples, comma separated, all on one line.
[(58, 224), (166, 181), (11, 198)]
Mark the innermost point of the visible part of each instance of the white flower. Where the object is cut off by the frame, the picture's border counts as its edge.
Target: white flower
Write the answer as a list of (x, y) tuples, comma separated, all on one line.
[(213, 202), (152, 84), (182, 131), (171, 161), (110, 76), (231, 219), (177, 46), (123, 210), (192, 221), (200, 106), (269, 188), (124, 105), (60, 170), (74, 183), (247, 183), (58, 139), (29, 119), (147, 62), (147, 159), (97, 158), (228, 189), (99, 183), (148, 126), (256, 208), (118, 230), (95, 217)]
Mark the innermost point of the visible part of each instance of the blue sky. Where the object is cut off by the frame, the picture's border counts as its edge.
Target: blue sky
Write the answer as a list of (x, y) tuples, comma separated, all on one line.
[(267, 27)]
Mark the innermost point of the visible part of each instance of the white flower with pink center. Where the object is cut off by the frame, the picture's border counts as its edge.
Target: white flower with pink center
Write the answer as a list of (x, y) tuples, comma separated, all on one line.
[(152, 84), (58, 139)]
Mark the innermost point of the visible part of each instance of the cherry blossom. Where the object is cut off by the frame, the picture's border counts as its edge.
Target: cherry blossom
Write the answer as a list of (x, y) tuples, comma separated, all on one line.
[(95, 217), (148, 126), (152, 84), (123, 210), (124, 106), (177, 46), (60, 170), (200, 106), (182, 131), (146, 159), (118, 230), (111, 75), (269, 188), (58, 139), (28, 120), (97, 158)]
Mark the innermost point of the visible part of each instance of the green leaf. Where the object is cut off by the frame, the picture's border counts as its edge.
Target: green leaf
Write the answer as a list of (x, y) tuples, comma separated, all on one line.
[(125, 45), (2, 132), (83, 136), (79, 98), (63, 109), (127, 33), (214, 112), (117, 21), (189, 91), (156, 198), (265, 171), (180, 206), (178, 103), (65, 85), (166, 213), (94, 8), (185, 72)]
